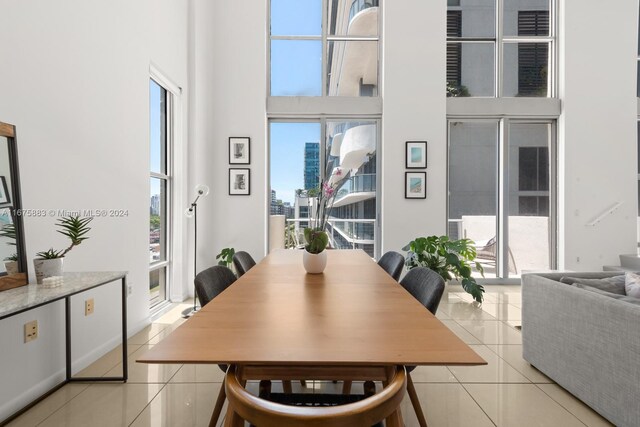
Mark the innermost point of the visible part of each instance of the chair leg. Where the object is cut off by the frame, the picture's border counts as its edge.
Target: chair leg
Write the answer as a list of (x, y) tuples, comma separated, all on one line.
[(286, 386), (395, 419), (217, 409), (415, 401), (265, 389), (346, 387)]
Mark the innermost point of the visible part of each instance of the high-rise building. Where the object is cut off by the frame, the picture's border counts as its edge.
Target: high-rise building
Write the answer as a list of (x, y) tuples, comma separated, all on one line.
[(311, 165), (155, 205)]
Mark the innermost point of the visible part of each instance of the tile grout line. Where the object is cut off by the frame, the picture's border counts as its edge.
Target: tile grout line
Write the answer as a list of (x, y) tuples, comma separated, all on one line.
[(63, 405), (165, 384), (561, 405), (148, 403), (478, 404)]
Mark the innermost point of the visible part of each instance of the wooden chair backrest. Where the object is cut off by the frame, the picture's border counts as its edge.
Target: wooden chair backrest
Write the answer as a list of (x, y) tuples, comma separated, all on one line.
[(365, 412)]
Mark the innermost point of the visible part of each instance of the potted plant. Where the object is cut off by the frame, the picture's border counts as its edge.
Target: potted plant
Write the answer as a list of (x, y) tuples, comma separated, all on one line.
[(451, 259), (314, 257), (50, 263), (11, 262), (225, 258)]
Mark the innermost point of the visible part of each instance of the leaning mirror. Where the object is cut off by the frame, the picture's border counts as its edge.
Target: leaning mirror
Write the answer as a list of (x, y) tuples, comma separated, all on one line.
[(13, 267)]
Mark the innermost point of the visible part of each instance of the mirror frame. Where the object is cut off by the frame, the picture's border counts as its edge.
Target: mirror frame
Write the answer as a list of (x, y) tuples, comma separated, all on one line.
[(9, 131)]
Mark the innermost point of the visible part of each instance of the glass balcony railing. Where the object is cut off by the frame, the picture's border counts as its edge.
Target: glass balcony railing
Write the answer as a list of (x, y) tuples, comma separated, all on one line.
[(357, 184), (360, 5)]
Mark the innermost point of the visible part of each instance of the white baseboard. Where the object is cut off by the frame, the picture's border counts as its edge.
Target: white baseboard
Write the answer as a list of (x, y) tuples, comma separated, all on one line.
[(9, 408), (20, 401)]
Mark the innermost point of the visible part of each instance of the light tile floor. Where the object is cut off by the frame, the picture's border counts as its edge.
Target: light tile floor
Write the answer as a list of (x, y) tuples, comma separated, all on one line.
[(506, 392)]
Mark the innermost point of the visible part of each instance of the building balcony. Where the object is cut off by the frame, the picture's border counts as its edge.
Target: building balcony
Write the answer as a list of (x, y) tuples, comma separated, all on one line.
[(356, 189)]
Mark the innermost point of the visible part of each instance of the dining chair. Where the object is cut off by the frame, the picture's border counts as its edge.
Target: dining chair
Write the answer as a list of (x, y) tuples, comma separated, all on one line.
[(392, 262), (427, 287), (265, 413), (243, 262), (209, 284)]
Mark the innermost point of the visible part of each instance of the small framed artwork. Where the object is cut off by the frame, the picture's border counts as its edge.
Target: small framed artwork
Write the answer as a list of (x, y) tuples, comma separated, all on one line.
[(239, 151), (416, 155), (239, 182), (415, 185), (5, 198)]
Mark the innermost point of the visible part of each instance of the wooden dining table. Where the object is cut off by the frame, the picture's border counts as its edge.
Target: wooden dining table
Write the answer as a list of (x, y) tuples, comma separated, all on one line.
[(276, 322)]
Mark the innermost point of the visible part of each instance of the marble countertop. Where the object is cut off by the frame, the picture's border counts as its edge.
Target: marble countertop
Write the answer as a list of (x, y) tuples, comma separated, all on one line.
[(32, 295)]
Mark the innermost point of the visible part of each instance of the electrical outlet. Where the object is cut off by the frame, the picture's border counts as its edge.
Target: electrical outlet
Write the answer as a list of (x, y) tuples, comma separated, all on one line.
[(129, 289), (88, 307), (30, 331)]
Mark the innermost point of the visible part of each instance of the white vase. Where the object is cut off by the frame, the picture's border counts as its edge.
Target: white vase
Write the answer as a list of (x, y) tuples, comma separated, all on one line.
[(314, 263), (47, 268), (11, 267)]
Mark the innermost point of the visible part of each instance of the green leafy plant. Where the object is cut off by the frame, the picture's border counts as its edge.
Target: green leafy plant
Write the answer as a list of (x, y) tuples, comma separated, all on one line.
[(290, 240), (457, 91), (73, 227), (12, 257), (50, 254), (225, 257), (451, 259), (9, 232), (317, 240)]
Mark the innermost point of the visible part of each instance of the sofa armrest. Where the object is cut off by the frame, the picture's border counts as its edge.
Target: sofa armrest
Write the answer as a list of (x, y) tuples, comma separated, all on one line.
[(586, 342)]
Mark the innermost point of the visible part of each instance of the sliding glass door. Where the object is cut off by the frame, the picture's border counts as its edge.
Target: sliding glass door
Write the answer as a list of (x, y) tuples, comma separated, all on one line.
[(502, 192)]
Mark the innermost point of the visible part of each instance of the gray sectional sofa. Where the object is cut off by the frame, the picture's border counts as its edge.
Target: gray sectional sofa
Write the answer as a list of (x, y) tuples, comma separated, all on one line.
[(586, 341)]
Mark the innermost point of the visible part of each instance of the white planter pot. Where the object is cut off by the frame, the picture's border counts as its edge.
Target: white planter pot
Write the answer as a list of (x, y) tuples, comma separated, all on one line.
[(47, 268), (11, 267), (314, 263)]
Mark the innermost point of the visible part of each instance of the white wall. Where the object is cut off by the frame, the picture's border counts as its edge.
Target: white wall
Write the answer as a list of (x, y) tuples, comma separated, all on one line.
[(597, 131), (414, 110), (74, 80), (230, 89)]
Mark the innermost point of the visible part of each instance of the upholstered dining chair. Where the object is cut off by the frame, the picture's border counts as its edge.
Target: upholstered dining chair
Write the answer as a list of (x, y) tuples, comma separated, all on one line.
[(209, 284), (426, 286), (243, 262), (392, 262), (366, 412)]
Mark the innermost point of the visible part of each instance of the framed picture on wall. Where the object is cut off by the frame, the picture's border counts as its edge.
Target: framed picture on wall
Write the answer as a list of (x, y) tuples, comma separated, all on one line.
[(415, 185), (239, 150), (239, 182), (416, 154), (5, 198)]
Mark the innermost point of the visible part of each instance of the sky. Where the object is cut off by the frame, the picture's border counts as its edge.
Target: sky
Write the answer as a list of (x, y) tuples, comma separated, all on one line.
[(296, 65), (154, 134), (287, 156), (296, 69)]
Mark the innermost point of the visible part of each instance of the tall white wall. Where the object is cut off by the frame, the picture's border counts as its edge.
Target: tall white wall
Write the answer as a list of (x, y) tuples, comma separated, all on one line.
[(75, 81), (414, 110), (230, 67), (597, 135)]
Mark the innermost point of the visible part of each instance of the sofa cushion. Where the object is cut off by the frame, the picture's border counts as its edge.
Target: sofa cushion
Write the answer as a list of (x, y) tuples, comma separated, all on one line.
[(625, 298), (615, 284), (632, 284)]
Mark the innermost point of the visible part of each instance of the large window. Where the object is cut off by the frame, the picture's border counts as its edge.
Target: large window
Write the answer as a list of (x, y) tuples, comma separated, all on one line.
[(500, 48), (299, 161), (501, 192), (160, 187), (324, 48)]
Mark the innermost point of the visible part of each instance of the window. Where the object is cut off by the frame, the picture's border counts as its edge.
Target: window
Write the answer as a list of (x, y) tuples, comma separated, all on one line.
[(500, 48), (160, 189), (501, 193), (339, 58), (299, 161)]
